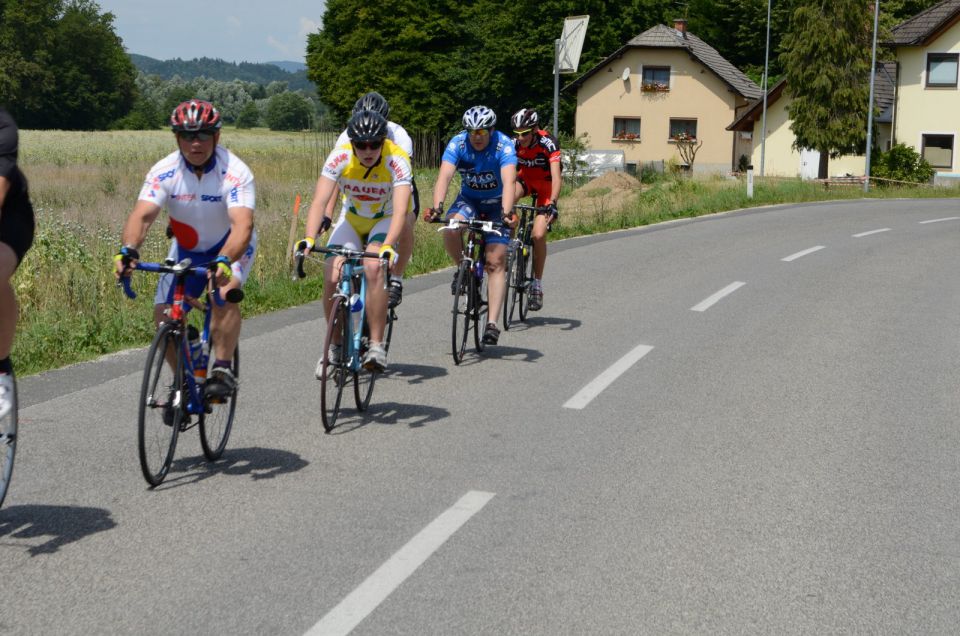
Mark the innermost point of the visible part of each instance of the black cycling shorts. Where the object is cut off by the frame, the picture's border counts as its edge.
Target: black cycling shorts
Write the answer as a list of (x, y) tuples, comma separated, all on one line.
[(17, 224)]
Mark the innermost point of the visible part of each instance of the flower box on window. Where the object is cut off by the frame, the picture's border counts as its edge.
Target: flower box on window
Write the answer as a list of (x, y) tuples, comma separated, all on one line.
[(626, 136), (655, 87)]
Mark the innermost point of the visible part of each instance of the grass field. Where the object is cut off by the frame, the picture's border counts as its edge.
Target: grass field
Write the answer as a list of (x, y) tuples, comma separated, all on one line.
[(83, 185)]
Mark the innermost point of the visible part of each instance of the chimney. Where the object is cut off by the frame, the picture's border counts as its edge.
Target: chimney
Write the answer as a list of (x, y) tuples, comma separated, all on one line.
[(680, 25)]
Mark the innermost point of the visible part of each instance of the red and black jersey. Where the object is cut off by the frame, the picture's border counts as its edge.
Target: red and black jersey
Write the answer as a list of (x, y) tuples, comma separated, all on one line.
[(533, 163)]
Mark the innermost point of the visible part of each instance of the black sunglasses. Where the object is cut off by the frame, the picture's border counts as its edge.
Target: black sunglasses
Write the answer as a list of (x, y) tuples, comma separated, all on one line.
[(191, 135), (368, 145)]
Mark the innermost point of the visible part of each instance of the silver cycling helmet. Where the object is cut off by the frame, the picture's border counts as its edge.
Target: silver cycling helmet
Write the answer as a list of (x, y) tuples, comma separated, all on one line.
[(479, 117)]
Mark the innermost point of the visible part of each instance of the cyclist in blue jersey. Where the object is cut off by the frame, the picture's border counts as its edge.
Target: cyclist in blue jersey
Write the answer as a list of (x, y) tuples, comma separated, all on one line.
[(487, 163)]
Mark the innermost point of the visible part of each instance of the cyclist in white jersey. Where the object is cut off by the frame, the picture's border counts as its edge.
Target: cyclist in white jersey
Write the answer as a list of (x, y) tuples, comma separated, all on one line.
[(398, 135), (210, 197)]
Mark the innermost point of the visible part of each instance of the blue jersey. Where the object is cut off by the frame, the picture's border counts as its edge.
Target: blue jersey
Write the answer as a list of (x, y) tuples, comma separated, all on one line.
[(480, 171)]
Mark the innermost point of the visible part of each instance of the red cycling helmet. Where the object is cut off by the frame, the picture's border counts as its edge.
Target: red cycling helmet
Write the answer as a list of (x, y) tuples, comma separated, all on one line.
[(195, 114)]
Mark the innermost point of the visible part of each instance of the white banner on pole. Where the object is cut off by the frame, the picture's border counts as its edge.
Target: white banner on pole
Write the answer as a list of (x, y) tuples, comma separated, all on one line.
[(571, 43)]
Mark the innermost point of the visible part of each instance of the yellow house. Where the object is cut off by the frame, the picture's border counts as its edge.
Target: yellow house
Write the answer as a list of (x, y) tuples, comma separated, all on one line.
[(917, 97), (665, 83), (777, 157), (928, 100)]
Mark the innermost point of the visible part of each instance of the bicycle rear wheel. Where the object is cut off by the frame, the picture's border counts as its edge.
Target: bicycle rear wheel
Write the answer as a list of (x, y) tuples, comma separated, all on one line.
[(161, 408), (8, 442), (462, 302), (334, 371), (216, 419), (524, 280)]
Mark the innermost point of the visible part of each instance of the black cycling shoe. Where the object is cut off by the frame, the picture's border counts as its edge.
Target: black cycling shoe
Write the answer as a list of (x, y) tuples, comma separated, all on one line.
[(220, 384), (395, 292), (491, 334)]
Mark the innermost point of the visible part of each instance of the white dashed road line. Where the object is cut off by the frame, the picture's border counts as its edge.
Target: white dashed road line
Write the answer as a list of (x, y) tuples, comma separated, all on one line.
[(712, 300), (803, 253), (585, 395), (862, 234), (379, 585), (948, 218)]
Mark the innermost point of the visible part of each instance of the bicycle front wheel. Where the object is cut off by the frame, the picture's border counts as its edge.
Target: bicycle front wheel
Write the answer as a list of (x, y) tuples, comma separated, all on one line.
[(8, 443), (162, 404), (216, 419), (334, 372), (364, 379), (462, 302), (479, 309), (509, 291)]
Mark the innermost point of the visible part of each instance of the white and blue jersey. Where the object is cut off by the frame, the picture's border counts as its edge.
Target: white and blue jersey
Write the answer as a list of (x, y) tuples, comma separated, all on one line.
[(480, 171)]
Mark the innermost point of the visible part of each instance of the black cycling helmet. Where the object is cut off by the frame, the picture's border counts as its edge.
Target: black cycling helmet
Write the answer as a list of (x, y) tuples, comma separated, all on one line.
[(373, 101), (367, 125), (525, 118)]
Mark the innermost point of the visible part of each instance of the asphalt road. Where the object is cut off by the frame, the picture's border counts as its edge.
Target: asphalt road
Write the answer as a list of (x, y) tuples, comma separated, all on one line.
[(745, 423)]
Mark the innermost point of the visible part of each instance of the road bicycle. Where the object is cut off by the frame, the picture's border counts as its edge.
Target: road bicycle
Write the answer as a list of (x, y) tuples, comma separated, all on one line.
[(8, 441), (520, 265), (348, 325), (470, 306), (171, 393)]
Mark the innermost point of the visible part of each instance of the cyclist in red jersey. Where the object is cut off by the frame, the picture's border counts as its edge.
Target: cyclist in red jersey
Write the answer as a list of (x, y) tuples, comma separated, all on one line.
[(538, 175)]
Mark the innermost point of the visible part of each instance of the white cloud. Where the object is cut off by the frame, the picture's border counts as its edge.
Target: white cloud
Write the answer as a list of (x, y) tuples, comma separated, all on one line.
[(308, 26), (234, 22)]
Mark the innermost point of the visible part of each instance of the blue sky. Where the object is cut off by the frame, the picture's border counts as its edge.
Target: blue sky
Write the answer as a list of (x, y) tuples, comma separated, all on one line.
[(232, 30)]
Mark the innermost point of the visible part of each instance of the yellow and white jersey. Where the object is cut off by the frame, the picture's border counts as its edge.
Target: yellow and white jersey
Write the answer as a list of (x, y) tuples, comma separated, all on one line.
[(368, 192)]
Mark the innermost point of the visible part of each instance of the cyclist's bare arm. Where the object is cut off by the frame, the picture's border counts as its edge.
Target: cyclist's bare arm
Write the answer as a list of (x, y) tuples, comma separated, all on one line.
[(401, 199), (321, 196), (241, 231), (4, 188), (143, 215), (556, 183), (444, 177), (508, 177)]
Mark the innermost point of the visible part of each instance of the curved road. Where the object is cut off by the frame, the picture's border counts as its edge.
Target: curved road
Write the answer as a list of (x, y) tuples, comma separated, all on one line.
[(745, 423)]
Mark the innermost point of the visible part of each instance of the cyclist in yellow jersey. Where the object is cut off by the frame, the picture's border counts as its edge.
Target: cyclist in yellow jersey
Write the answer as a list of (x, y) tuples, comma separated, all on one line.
[(374, 177)]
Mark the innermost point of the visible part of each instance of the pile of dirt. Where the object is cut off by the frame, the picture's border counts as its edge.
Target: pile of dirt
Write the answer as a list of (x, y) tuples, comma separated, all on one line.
[(608, 193)]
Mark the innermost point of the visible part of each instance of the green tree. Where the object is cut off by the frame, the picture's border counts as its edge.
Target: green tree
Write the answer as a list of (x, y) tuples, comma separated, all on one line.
[(62, 65), (249, 116), (288, 111), (827, 66)]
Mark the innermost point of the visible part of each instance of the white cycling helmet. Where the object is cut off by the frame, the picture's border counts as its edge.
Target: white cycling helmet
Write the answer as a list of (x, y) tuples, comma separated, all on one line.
[(479, 117)]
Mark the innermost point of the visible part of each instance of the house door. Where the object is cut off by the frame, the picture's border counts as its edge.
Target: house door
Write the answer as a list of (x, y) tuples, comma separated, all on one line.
[(809, 164)]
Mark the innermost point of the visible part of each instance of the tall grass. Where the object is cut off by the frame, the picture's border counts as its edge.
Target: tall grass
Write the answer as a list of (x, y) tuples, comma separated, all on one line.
[(84, 184)]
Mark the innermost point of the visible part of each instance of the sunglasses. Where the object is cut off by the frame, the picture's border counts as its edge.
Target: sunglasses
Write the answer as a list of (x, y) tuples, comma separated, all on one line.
[(368, 145), (480, 132), (192, 135), (523, 133)]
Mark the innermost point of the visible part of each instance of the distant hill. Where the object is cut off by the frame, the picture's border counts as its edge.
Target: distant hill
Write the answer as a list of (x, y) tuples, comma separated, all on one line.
[(290, 67), (294, 73)]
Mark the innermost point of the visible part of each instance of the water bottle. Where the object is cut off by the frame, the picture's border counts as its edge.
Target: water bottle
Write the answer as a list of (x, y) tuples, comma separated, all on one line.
[(197, 354), (356, 306)]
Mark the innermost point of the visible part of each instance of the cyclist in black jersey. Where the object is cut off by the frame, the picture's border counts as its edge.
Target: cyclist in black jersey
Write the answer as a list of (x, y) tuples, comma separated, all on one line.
[(16, 237)]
